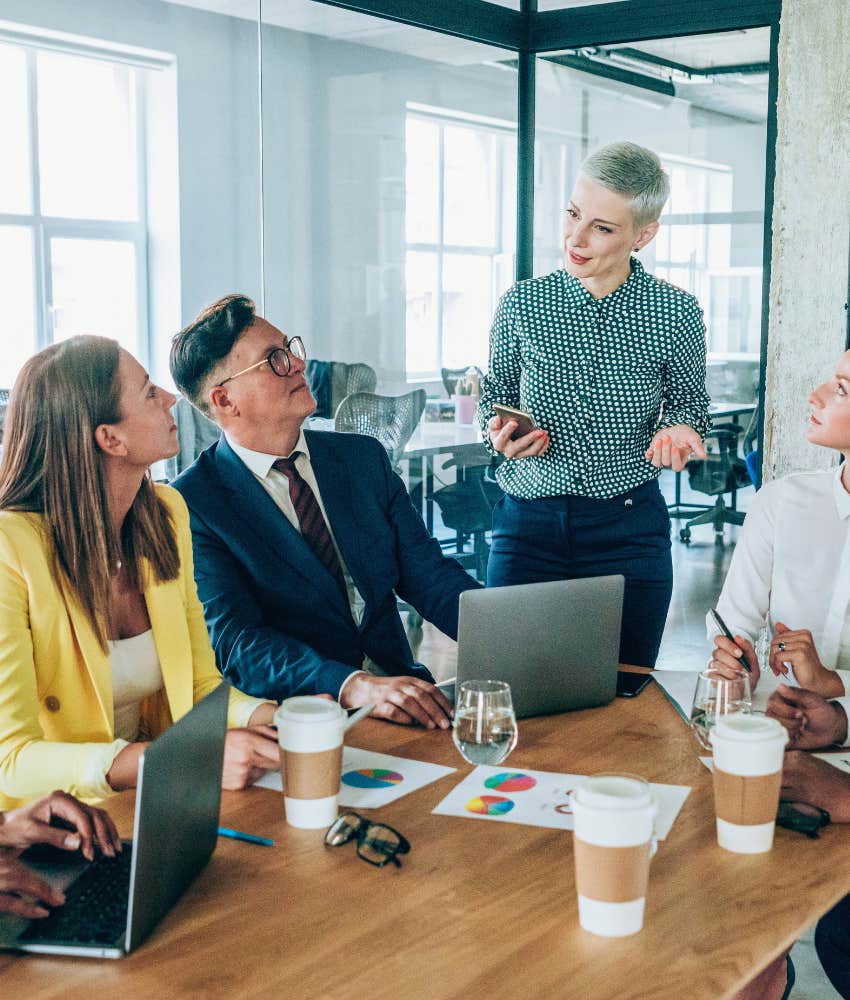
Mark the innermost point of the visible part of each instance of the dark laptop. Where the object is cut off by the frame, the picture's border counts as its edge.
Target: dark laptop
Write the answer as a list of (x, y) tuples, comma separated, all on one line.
[(112, 904), (557, 644)]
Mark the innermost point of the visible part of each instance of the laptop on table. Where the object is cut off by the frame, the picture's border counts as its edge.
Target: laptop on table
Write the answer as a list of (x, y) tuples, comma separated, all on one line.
[(112, 904), (557, 644)]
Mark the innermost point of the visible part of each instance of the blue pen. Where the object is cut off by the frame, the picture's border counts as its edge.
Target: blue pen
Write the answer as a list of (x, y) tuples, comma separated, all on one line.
[(223, 831)]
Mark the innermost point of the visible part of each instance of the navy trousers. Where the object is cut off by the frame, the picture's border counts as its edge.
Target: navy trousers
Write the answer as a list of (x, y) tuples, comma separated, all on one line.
[(571, 537), (832, 941)]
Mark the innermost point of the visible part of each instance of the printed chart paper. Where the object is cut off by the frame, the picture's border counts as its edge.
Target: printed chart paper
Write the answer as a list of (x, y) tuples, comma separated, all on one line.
[(538, 798), (371, 780)]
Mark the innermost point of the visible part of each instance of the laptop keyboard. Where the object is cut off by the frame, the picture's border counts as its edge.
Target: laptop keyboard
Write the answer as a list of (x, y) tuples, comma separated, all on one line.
[(95, 910)]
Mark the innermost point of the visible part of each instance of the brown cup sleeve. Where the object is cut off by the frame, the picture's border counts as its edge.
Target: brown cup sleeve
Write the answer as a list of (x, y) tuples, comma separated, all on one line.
[(311, 775), (746, 801), (611, 874)]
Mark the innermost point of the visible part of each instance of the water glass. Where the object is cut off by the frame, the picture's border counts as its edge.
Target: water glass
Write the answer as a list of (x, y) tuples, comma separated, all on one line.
[(716, 696), (485, 729)]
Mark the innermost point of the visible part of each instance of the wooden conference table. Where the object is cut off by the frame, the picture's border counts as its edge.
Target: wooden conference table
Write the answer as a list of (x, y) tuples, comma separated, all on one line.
[(477, 909)]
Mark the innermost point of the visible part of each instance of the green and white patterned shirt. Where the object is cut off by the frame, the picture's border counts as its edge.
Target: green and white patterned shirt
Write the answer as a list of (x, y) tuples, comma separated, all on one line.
[(600, 375)]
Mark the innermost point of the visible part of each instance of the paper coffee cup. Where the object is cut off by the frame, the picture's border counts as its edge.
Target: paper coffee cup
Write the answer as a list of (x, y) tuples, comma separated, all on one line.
[(748, 755), (612, 844), (310, 733)]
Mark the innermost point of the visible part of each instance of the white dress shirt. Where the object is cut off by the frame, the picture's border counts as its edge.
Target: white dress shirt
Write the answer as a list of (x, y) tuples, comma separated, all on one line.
[(792, 565), (277, 486)]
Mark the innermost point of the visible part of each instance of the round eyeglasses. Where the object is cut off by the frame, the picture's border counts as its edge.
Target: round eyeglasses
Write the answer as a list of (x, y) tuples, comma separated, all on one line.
[(277, 359), (376, 842)]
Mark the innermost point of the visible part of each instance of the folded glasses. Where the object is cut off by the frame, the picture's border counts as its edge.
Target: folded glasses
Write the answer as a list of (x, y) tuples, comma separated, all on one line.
[(802, 817), (376, 843)]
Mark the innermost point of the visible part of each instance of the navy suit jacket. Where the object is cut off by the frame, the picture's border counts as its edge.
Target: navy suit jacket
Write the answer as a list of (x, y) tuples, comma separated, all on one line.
[(278, 621)]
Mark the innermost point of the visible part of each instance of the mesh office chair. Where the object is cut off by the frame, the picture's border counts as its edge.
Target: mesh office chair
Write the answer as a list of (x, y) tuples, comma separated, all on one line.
[(466, 507), (390, 419), (331, 381), (4, 405), (451, 377), (722, 471)]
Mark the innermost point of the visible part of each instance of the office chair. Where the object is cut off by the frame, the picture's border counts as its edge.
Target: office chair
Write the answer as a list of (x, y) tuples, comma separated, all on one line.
[(390, 419), (722, 471), (451, 377), (752, 450), (331, 381), (466, 507), (195, 433)]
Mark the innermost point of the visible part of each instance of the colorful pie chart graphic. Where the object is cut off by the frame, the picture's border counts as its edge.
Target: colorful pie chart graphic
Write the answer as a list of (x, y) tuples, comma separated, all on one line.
[(510, 781), (489, 805), (372, 777)]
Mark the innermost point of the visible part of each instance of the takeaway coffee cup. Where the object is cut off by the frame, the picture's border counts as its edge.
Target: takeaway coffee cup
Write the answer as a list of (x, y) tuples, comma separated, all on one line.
[(612, 843), (748, 753), (310, 732)]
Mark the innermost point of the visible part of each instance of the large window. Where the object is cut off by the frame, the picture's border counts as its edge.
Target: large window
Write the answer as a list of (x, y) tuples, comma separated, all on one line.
[(460, 183), (72, 206)]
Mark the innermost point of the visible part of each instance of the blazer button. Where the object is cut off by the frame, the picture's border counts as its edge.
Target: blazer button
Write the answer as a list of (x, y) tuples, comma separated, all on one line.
[(628, 502), (51, 703)]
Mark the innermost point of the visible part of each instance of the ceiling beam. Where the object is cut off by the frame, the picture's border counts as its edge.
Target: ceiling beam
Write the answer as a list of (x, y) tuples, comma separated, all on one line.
[(640, 20), (474, 20)]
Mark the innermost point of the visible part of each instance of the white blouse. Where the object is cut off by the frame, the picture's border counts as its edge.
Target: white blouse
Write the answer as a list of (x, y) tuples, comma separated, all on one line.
[(792, 564), (136, 674)]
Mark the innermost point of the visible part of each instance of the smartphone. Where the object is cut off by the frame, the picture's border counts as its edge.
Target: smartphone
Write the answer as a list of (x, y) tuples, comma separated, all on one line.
[(718, 621), (525, 421), (630, 685)]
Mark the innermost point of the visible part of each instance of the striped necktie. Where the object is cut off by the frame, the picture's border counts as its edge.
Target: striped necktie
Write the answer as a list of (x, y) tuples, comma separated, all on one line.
[(314, 529)]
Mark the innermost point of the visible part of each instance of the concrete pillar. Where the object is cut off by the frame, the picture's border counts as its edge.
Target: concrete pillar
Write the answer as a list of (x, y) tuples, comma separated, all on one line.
[(811, 225)]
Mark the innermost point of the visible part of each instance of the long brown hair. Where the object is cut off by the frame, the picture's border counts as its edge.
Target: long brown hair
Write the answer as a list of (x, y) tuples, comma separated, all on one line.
[(52, 466)]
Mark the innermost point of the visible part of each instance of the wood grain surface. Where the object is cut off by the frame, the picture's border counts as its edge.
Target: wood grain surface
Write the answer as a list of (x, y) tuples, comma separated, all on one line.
[(478, 909)]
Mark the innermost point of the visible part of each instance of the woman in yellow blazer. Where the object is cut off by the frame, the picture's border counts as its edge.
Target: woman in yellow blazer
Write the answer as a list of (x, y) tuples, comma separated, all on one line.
[(97, 592)]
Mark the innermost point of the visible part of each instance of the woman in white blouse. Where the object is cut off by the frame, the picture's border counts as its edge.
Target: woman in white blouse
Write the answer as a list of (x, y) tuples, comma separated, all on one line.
[(791, 566)]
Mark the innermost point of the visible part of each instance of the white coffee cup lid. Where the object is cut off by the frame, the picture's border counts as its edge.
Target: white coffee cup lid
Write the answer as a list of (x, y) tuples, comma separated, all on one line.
[(743, 728), (310, 708), (613, 791)]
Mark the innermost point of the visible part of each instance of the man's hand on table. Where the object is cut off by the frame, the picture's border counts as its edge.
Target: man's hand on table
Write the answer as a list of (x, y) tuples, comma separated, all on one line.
[(812, 722), (408, 700), (809, 779)]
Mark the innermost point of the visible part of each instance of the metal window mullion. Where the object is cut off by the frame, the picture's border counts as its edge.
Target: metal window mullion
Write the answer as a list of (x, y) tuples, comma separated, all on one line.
[(441, 229), (144, 334), (41, 284)]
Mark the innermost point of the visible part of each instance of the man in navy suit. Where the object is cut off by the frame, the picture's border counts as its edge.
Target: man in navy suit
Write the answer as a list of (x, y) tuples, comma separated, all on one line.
[(302, 539)]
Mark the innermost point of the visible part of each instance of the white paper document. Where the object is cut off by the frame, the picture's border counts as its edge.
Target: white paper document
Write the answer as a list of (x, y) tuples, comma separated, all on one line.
[(538, 798), (371, 780)]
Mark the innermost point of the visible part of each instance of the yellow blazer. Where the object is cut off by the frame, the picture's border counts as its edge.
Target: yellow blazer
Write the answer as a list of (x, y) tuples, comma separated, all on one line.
[(56, 711)]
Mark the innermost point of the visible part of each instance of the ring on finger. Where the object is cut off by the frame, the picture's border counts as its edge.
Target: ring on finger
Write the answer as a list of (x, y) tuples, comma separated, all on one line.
[(781, 647)]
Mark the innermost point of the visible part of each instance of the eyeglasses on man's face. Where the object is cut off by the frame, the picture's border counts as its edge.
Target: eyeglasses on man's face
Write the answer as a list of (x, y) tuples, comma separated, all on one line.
[(277, 359)]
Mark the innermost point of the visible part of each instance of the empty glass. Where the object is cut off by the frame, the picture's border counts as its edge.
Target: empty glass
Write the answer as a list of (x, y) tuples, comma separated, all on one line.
[(716, 696), (485, 729)]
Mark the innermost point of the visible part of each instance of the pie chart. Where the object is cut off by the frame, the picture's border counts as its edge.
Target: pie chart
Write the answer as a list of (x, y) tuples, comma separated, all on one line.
[(372, 777), (510, 781), (489, 805)]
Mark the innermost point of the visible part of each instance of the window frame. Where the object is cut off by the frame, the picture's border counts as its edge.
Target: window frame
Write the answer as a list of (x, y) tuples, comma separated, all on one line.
[(443, 119), (45, 228)]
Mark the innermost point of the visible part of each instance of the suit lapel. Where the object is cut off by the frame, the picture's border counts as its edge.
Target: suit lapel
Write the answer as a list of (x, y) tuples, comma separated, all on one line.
[(167, 615), (96, 661), (254, 509), (339, 492)]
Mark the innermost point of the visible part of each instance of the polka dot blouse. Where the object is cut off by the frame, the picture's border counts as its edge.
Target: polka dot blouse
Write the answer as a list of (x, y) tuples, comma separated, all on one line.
[(600, 375)]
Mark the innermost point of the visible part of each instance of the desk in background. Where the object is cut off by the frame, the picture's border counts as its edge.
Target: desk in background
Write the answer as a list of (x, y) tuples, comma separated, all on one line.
[(478, 908)]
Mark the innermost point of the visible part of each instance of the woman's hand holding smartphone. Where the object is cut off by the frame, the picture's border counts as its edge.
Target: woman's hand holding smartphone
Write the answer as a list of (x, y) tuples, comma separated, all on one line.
[(515, 434)]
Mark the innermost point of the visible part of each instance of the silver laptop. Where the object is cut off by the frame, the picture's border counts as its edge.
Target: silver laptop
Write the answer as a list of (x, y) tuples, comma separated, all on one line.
[(557, 644), (113, 904)]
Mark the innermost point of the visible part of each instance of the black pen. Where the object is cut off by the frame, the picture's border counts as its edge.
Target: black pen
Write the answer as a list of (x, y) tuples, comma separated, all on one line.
[(724, 628)]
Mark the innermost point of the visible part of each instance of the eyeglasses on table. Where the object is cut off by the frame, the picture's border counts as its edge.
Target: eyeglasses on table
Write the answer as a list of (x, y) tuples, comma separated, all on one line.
[(376, 843)]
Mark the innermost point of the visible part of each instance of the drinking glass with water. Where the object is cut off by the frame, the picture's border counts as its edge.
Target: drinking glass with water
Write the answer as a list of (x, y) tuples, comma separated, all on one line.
[(485, 729), (716, 696)]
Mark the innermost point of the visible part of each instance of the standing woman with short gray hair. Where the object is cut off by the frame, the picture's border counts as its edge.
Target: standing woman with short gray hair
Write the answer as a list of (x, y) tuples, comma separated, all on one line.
[(610, 363)]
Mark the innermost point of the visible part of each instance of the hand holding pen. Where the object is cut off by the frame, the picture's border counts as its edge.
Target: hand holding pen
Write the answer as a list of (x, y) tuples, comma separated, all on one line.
[(733, 654)]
